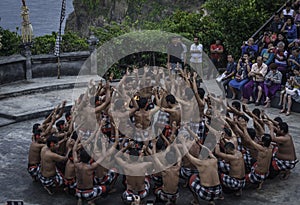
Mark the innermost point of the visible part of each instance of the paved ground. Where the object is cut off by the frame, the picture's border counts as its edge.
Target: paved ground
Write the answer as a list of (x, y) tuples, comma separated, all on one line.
[(16, 183)]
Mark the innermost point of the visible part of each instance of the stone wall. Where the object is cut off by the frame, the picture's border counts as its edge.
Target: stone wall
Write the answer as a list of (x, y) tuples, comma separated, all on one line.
[(13, 68)]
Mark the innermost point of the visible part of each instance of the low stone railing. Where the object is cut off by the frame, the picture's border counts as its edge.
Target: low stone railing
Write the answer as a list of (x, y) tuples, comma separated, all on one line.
[(17, 67)]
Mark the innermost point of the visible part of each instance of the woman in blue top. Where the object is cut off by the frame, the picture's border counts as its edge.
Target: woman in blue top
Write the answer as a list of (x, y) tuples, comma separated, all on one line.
[(241, 76), (290, 29)]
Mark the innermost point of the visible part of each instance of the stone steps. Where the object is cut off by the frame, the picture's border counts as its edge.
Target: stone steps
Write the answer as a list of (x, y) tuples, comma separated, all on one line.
[(25, 100)]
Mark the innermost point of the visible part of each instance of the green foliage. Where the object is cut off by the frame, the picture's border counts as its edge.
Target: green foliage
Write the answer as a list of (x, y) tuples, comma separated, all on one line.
[(72, 42), (189, 25), (237, 20), (44, 44), (10, 42)]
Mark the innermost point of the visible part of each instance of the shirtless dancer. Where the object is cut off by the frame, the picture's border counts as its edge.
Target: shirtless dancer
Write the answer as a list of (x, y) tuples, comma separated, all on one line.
[(173, 109), (50, 176), (168, 192), (87, 112), (206, 184), (144, 116), (34, 157), (85, 175), (235, 179), (70, 176), (285, 158), (137, 186), (105, 176), (260, 169)]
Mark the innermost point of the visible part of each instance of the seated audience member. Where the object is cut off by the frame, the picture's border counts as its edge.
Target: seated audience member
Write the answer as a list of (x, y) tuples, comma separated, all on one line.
[(272, 83), (288, 12), (241, 76), (281, 56), (293, 61), (281, 38), (255, 85), (297, 17), (228, 75), (294, 45), (250, 48), (290, 29), (265, 41), (292, 92), (276, 24), (268, 54)]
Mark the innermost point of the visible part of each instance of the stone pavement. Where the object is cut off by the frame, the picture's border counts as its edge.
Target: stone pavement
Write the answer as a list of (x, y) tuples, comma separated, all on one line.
[(15, 139)]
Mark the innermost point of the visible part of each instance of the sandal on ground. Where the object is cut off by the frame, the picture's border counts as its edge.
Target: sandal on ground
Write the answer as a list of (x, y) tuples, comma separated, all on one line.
[(282, 111), (285, 175), (267, 101), (268, 104), (287, 113)]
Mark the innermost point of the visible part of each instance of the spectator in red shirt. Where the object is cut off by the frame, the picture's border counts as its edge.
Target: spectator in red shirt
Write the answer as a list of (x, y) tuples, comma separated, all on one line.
[(216, 53)]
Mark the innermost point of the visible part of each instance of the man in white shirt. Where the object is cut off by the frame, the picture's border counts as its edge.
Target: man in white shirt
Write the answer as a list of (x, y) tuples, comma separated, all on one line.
[(196, 56), (254, 87)]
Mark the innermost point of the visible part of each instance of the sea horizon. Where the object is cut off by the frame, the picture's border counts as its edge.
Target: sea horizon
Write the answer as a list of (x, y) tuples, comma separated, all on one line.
[(44, 15)]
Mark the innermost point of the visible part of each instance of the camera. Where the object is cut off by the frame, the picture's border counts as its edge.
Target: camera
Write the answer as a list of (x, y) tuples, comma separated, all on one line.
[(243, 60)]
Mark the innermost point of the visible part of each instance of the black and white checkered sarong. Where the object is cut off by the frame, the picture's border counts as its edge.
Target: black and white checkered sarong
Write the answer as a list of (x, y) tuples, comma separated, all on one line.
[(232, 183), (91, 193), (205, 193)]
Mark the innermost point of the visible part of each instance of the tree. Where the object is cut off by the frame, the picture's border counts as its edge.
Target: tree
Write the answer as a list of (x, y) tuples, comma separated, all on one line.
[(10, 42), (237, 20)]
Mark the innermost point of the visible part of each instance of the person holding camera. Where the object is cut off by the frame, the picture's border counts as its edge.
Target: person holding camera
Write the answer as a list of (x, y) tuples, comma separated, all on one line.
[(241, 76), (268, 54), (255, 85), (251, 48), (290, 29), (272, 83)]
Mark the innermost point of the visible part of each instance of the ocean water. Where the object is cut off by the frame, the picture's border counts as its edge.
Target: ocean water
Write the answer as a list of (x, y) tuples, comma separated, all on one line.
[(44, 15)]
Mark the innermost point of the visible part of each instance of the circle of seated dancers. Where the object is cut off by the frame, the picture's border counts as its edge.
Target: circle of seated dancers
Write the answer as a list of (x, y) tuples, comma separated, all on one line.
[(154, 131)]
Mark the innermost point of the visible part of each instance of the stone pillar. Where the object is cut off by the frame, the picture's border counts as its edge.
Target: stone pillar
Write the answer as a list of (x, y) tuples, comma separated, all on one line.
[(28, 66), (92, 41)]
